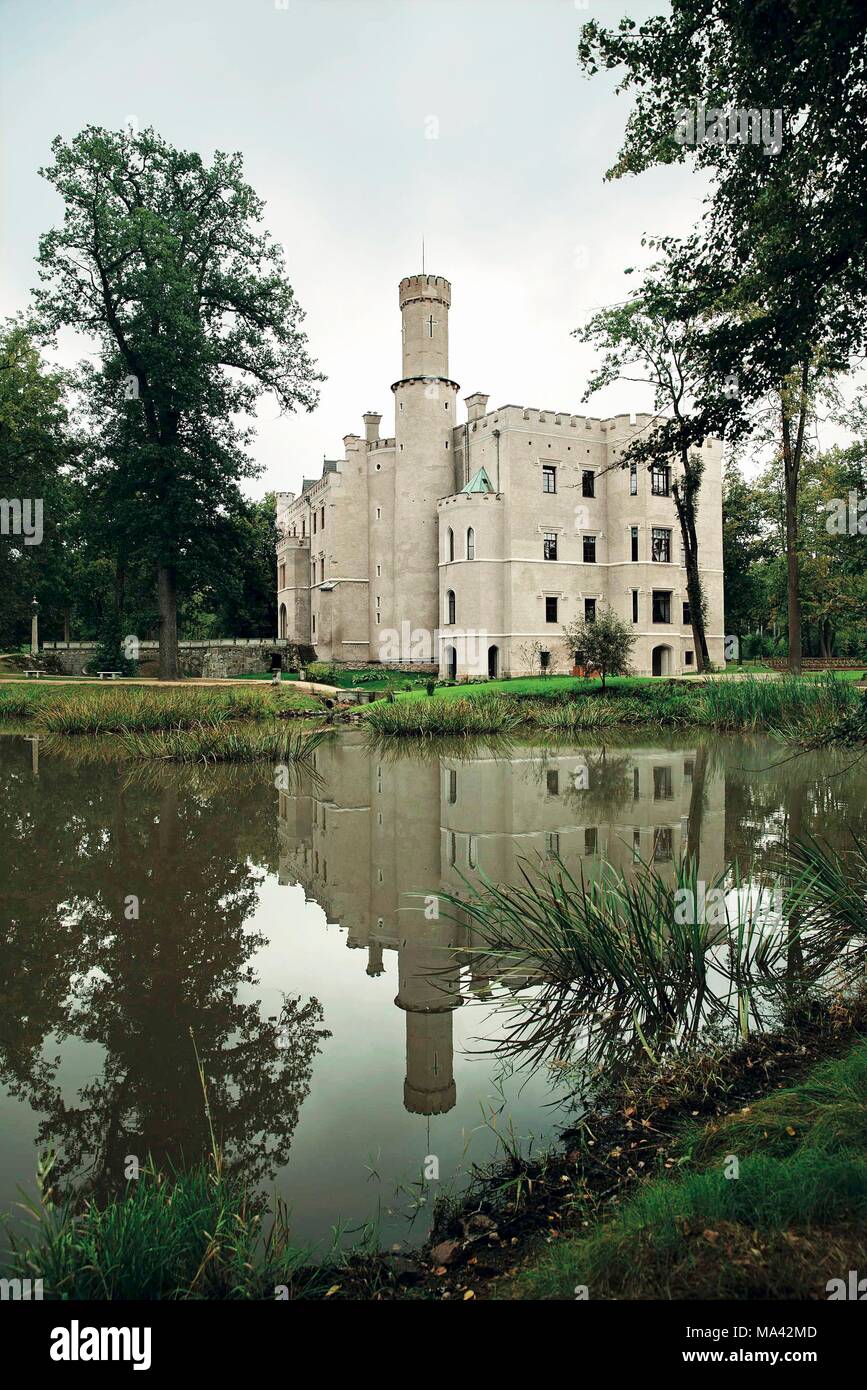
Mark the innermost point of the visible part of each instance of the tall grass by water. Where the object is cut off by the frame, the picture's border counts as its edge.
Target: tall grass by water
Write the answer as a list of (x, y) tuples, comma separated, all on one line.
[(145, 710), (431, 718), (624, 962), (215, 743), (789, 703), (190, 1235), (612, 962), (792, 706)]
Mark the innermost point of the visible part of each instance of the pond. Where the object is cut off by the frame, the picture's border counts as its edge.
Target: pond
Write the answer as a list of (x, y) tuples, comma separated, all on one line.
[(289, 940)]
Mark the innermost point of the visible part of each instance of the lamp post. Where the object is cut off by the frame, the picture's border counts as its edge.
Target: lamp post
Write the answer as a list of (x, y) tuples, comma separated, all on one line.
[(34, 627)]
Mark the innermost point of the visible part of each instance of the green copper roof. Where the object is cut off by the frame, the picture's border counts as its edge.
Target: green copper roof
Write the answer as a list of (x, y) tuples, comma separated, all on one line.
[(479, 483)]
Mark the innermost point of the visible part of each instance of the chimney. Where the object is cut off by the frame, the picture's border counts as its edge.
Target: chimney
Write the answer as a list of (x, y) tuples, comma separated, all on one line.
[(476, 405), (371, 426)]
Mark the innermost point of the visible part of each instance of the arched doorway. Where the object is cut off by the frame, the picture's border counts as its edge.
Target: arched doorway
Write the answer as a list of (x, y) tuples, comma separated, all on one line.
[(451, 662), (493, 663), (661, 661), (283, 632)]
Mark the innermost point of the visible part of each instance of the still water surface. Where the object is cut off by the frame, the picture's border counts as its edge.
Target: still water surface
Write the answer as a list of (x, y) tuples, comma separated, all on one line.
[(341, 1030)]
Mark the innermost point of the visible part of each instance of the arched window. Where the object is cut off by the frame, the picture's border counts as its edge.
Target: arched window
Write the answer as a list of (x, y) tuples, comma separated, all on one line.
[(450, 544), (471, 543), (283, 623), (450, 606)]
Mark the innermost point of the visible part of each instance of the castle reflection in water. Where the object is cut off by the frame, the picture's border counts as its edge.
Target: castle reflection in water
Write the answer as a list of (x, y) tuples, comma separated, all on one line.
[(371, 834)]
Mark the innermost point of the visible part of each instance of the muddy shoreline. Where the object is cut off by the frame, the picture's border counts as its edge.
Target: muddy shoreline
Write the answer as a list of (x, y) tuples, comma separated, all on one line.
[(633, 1130)]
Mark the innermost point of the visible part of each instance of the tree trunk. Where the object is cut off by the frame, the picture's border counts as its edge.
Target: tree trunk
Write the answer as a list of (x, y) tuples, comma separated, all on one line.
[(168, 611), (793, 598), (826, 637), (685, 503), (792, 451)]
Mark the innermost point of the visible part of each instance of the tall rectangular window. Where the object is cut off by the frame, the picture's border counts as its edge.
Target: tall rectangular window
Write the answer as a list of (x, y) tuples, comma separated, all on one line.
[(687, 620), (589, 546), (549, 478), (660, 545), (549, 545), (635, 605), (633, 541), (550, 609), (662, 784), (588, 483), (661, 606), (552, 782), (660, 480), (590, 610), (633, 479), (314, 523)]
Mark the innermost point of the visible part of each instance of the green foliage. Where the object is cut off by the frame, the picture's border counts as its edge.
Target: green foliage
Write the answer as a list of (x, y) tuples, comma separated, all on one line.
[(605, 643)]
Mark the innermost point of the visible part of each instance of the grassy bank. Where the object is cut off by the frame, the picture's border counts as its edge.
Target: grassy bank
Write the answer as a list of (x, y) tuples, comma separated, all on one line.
[(562, 706), (769, 1202)]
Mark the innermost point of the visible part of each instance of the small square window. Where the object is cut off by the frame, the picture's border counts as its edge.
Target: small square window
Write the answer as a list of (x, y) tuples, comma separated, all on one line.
[(688, 658)]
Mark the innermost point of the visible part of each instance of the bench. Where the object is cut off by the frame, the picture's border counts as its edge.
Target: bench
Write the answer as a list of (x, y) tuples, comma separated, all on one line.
[(32, 674), (109, 675)]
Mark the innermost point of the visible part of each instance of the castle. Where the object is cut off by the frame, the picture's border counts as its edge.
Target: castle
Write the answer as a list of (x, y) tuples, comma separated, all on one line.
[(468, 546)]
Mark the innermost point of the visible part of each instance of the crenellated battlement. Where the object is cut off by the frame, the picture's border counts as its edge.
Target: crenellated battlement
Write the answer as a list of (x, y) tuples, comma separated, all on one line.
[(434, 287)]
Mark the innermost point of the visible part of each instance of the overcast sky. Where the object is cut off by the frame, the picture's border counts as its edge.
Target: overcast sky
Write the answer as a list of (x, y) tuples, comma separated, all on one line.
[(333, 103)]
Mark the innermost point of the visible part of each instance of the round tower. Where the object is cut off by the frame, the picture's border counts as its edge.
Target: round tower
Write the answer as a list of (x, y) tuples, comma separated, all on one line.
[(424, 413)]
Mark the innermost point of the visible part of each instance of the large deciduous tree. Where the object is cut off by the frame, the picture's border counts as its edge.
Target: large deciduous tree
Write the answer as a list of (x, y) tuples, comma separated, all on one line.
[(656, 338), (162, 259), (784, 245)]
